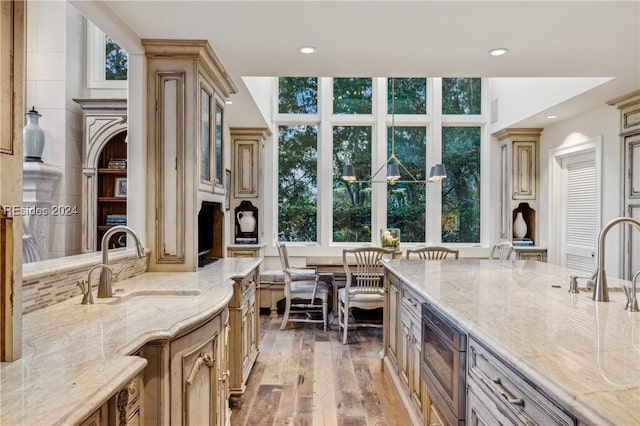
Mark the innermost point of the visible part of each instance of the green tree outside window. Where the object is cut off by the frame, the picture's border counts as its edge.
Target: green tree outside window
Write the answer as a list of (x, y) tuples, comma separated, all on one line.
[(410, 95), (461, 188), (461, 96), (298, 95), (352, 95), (352, 201), (115, 60), (297, 183), (406, 202)]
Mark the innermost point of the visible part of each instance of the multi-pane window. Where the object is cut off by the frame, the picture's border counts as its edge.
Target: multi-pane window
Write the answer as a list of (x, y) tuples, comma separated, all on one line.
[(461, 188), (352, 95), (372, 122), (352, 201), (461, 96), (298, 95), (406, 201), (297, 183), (407, 95)]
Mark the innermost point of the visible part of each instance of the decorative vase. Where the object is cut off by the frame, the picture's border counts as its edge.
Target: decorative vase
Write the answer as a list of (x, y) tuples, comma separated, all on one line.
[(247, 221), (519, 226), (390, 237), (32, 137)]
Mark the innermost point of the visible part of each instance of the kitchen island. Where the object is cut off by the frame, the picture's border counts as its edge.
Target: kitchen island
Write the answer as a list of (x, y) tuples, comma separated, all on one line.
[(582, 356), (77, 357)]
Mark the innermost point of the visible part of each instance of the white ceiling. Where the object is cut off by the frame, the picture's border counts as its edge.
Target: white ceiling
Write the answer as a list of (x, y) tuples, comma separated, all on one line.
[(398, 38)]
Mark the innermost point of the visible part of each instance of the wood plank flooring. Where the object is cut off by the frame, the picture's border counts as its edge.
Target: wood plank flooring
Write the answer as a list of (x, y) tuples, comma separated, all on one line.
[(306, 376)]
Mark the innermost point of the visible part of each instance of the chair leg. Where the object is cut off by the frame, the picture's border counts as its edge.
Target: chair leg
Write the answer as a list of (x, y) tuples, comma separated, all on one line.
[(287, 307), (346, 325), (324, 314)]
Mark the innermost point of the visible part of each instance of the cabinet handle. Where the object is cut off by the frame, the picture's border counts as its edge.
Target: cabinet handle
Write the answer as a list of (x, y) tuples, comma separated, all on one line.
[(222, 377), (204, 358), (410, 301), (499, 387)]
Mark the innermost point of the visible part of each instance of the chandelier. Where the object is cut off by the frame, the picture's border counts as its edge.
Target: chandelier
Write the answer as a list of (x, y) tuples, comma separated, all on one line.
[(393, 163)]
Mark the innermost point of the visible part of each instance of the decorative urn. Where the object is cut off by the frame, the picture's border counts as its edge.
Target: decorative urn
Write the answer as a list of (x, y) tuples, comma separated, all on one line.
[(33, 137)]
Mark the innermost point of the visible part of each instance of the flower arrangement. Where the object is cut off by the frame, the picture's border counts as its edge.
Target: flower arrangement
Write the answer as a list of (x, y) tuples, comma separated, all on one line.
[(390, 237)]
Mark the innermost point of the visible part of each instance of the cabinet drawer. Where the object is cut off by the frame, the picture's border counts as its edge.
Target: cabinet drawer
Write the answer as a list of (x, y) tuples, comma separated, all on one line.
[(411, 303), (512, 395), (243, 253)]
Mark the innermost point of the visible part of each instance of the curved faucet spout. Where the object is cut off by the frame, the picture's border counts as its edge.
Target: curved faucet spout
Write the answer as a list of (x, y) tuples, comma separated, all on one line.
[(600, 291), (104, 286)]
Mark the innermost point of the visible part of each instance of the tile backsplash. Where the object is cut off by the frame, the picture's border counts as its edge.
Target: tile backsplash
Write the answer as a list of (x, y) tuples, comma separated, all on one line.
[(45, 287)]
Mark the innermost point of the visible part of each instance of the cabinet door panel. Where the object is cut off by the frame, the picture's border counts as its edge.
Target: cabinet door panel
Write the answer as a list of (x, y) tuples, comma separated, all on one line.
[(194, 378), (524, 176)]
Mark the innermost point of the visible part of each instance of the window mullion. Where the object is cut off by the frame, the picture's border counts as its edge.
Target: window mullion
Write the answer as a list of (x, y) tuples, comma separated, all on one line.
[(434, 156), (325, 162), (378, 157)]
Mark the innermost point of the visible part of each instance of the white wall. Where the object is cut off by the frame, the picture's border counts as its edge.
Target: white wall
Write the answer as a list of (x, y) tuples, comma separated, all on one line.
[(520, 98), (601, 121), (55, 70)]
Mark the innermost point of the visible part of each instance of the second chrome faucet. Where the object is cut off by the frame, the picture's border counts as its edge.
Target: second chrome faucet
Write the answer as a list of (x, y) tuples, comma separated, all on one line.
[(104, 286)]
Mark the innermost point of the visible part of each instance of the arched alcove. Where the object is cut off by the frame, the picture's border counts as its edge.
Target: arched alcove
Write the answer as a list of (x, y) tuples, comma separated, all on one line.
[(105, 121)]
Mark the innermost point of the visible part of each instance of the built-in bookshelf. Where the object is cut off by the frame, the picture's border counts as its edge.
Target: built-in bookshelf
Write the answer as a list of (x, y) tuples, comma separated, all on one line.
[(112, 190)]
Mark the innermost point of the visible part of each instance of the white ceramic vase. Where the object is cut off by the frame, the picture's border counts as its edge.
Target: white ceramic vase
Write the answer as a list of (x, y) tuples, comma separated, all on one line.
[(519, 226), (247, 221)]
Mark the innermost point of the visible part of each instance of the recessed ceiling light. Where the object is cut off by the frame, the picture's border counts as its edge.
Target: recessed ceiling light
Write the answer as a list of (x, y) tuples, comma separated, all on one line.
[(307, 50), (552, 116), (498, 52), (228, 102)]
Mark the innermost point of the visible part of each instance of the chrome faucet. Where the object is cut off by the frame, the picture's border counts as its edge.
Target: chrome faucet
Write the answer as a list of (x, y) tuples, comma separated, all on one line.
[(85, 286), (104, 286), (632, 301), (600, 290)]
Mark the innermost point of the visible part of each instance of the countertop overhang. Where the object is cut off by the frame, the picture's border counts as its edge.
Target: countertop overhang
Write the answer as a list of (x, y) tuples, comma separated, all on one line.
[(584, 355), (75, 357)]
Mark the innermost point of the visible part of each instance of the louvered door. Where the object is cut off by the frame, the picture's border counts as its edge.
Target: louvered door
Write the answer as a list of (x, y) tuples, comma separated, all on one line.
[(579, 239)]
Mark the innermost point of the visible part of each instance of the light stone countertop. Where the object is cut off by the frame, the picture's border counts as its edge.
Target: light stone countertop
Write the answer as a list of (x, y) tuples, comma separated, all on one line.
[(584, 355), (75, 357)]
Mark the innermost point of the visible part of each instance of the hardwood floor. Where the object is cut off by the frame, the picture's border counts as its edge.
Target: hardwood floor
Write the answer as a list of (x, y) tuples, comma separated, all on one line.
[(306, 376)]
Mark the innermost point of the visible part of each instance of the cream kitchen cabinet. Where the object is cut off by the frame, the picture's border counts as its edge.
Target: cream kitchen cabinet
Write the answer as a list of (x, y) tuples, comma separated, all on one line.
[(518, 178), (125, 408), (403, 345), (392, 314), (499, 395), (186, 377), (244, 340), (629, 106), (410, 350)]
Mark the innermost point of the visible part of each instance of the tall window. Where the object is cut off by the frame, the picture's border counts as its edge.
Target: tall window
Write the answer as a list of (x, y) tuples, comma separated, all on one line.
[(351, 201), (365, 122), (297, 183), (406, 201), (461, 188)]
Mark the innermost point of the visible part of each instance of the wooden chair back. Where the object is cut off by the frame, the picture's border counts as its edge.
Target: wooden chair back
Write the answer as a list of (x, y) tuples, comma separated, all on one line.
[(432, 253)]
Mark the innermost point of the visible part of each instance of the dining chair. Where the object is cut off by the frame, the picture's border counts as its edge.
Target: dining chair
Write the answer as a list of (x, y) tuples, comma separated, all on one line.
[(501, 250), (301, 290), (432, 253), (364, 288)]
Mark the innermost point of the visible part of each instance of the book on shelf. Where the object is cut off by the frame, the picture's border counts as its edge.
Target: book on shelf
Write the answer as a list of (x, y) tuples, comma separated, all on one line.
[(522, 242), (117, 163), (251, 240), (116, 219)]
